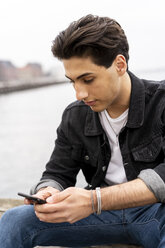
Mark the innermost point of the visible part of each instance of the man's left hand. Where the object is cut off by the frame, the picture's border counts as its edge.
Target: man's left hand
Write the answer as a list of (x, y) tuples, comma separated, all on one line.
[(70, 205)]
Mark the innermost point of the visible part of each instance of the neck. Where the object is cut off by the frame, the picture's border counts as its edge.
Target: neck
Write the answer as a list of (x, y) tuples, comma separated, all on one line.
[(122, 102)]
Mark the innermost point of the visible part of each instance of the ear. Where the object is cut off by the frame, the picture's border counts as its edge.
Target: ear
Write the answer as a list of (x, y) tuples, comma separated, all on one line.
[(121, 64)]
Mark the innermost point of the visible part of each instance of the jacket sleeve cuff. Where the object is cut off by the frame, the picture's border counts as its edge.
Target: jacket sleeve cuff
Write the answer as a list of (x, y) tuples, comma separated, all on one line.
[(45, 183), (154, 183)]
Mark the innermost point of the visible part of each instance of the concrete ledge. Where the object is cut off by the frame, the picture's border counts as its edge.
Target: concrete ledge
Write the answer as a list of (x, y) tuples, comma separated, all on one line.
[(6, 204)]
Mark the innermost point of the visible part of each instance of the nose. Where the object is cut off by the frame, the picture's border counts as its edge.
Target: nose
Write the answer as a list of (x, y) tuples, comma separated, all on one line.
[(81, 91)]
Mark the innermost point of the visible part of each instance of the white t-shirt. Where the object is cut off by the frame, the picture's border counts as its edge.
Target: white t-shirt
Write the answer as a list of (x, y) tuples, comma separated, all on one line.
[(112, 126)]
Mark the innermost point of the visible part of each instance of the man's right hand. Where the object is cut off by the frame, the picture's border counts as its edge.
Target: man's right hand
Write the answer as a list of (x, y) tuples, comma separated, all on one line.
[(43, 193)]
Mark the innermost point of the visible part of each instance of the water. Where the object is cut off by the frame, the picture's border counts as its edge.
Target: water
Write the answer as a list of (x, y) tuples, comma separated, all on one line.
[(28, 123)]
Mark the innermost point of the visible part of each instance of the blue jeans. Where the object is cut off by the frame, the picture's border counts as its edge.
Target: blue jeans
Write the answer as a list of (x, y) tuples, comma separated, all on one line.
[(145, 226)]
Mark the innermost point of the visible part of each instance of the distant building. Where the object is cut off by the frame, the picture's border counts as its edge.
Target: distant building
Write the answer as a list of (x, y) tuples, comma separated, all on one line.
[(30, 71), (8, 71)]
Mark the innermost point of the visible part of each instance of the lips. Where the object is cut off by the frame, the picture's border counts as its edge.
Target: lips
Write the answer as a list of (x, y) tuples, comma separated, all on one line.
[(90, 103)]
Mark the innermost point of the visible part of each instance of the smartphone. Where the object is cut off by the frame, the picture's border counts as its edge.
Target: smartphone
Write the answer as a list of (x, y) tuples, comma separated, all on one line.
[(32, 198)]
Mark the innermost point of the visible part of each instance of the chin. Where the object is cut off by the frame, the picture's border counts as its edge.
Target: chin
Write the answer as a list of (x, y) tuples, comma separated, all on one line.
[(97, 109)]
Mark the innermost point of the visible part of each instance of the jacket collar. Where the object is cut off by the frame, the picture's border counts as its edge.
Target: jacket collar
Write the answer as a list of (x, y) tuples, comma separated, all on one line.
[(137, 102), (136, 110)]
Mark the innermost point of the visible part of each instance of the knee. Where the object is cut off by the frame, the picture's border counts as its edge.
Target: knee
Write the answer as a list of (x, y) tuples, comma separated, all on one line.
[(14, 218), (8, 216)]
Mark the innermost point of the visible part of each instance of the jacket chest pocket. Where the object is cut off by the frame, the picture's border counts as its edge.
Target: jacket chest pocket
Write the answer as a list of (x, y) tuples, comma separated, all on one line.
[(81, 155), (149, 152)]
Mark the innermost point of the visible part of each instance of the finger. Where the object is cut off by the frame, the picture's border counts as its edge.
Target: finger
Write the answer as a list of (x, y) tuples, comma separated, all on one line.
[(60, 196), (46, 192), (51, 190), (27, 202), (51, 217), (51, 208), (43, 195)]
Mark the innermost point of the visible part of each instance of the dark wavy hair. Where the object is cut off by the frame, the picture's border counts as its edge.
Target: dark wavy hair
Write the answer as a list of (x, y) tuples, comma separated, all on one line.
[(100, 38)]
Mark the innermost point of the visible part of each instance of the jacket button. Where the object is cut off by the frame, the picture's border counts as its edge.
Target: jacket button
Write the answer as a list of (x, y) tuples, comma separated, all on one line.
[(86, 157), (104, 168)]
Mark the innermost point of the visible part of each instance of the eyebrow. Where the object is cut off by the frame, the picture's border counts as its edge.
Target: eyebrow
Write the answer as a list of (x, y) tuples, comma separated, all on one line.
[(82, 75)]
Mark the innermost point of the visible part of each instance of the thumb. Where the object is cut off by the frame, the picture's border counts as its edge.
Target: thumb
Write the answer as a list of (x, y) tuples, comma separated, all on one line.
[(57, 197)]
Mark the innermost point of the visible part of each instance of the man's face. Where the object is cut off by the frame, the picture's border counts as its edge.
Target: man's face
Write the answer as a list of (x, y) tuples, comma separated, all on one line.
[(97, 86)]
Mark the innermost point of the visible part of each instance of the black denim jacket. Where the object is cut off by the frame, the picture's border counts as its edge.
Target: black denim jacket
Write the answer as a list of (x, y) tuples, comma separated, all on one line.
[(82, 144)]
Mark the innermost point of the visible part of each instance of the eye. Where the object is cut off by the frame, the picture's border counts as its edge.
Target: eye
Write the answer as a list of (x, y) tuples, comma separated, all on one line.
[(87, 81)]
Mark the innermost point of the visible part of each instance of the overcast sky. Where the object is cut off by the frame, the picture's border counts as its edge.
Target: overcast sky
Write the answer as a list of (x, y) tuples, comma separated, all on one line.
[(27, 28)]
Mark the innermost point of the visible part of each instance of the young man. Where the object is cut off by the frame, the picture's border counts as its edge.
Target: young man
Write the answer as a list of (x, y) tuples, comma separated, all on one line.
[(115, 134)]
